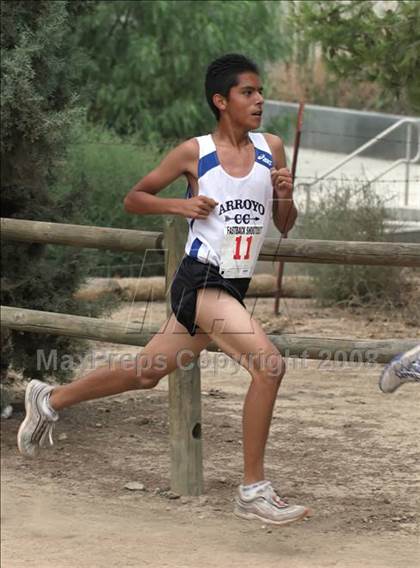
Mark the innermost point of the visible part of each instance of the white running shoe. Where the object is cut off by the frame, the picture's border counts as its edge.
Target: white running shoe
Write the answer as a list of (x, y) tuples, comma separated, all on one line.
[(265, 505), (404, 368), (36, 430)]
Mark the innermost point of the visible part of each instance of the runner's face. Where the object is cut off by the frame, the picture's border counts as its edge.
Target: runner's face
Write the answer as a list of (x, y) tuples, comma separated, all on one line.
[(245, 101)]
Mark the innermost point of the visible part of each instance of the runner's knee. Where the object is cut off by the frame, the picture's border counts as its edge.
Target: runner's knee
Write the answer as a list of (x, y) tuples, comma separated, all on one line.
[(147, 378), (142, 376), (268, 367), (150, 381)]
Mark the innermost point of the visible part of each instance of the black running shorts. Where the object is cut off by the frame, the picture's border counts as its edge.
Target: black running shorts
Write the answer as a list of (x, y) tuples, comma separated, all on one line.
[(190, 277)]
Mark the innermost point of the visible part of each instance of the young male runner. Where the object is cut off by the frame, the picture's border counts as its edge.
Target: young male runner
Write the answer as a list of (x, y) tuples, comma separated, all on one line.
[(237, 182)]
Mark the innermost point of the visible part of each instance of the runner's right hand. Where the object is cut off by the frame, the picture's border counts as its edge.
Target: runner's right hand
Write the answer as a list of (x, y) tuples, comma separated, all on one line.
[(198, 207)]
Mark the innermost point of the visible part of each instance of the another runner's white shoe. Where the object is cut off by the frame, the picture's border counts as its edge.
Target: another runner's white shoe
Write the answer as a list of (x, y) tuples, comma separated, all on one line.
[(405, 368), (36, 430), (265, 505)]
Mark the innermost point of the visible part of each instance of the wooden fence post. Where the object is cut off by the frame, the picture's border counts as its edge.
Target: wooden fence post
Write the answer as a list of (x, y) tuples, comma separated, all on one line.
[(184, 388)]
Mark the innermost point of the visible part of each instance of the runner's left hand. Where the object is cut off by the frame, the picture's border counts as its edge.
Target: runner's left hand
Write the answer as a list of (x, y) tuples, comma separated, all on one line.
[(282, 182)]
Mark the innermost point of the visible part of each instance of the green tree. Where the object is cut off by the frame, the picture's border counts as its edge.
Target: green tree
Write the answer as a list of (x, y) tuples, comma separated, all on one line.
[(366, 41), (38, 106), (148, 59)]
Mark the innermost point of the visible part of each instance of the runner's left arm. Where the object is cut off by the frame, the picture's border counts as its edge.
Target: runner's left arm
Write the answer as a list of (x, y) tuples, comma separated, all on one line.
[(284, 209)]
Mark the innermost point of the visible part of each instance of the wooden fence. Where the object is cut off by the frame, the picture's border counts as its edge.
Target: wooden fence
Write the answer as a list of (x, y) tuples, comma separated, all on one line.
[(287, 250), (184, 385)]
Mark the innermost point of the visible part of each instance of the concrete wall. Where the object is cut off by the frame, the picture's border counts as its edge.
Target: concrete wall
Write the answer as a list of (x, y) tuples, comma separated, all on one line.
[(340, 130)]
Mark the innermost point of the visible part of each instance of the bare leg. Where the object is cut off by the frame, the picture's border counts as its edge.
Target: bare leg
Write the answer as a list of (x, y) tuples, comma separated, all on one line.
[(157, 359), (227, 322)]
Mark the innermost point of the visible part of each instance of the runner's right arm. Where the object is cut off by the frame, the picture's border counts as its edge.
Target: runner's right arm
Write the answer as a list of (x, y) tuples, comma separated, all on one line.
[(142, 198)]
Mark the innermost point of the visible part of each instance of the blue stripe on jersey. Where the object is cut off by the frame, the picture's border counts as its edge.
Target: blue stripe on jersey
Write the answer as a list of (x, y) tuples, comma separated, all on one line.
[(188, 193), (195, 247), (264, 158), (207, 163)]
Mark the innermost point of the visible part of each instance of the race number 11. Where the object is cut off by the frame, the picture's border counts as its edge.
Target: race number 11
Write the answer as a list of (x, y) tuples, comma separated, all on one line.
[(237, 254)]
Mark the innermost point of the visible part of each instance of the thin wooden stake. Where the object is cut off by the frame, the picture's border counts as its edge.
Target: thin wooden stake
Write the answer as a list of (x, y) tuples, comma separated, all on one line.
[(293, 172)]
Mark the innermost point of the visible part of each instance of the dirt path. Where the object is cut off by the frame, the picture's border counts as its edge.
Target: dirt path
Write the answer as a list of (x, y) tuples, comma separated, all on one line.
[(61, 529), (337, 444)]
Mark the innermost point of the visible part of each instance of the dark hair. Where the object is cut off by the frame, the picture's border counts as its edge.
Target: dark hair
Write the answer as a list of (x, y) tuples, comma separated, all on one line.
[(222, 75)]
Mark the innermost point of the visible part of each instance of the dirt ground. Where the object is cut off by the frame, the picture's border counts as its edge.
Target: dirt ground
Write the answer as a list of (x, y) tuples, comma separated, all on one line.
[(337, 445)]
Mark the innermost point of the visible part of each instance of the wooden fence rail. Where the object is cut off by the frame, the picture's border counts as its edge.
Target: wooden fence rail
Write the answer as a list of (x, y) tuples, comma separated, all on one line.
[(128, 333), (80, 235), (286, 250)]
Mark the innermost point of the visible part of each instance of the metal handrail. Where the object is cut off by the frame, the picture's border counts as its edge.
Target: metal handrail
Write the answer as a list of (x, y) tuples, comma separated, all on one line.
[(406, 160)]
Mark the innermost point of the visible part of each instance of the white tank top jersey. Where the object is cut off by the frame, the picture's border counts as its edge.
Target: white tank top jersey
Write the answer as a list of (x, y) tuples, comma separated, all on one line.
[(233, 233)]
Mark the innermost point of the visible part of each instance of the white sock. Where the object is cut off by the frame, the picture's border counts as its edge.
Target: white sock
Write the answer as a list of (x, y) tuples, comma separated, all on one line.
[(250, 490), (48, 409)]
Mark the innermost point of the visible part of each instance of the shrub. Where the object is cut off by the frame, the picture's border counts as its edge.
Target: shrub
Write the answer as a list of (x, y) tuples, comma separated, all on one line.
[(348, 213), (104, 167), (38, 107)]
